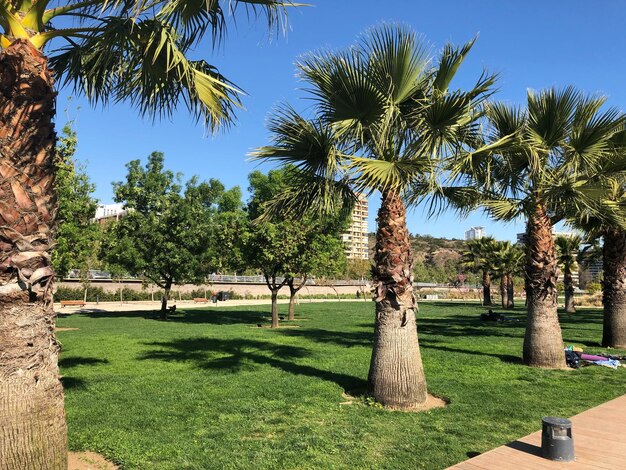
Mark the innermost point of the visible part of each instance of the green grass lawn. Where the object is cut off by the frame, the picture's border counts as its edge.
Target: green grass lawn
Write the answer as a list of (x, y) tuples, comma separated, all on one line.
[(211, 390)]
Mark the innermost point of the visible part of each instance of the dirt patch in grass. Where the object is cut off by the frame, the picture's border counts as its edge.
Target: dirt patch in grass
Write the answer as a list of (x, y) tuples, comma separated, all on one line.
[(67, 329), (430, 403), (88, 461)]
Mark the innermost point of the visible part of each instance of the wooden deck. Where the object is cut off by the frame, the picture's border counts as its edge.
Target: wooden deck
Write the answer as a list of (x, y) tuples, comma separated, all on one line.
[(599, 443)]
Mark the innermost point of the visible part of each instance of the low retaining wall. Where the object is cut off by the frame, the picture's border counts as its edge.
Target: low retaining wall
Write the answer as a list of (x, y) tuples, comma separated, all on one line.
[(238, 288)]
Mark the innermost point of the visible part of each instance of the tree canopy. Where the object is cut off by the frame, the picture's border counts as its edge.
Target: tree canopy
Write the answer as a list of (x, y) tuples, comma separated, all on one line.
[(166, 235), (76, 235)]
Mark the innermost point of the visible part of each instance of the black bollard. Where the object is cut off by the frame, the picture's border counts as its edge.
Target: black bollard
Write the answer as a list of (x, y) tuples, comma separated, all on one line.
[(556, 439)]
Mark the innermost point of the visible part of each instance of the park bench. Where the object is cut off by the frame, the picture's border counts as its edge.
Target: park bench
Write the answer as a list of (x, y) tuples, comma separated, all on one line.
[(201, 300), (73, 303)]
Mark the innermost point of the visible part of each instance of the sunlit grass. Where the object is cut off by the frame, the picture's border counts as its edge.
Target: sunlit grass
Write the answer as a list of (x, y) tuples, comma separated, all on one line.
[(212, 390)]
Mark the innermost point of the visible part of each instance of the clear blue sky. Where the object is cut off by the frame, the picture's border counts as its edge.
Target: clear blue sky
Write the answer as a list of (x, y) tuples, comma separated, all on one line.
[(532, 44)]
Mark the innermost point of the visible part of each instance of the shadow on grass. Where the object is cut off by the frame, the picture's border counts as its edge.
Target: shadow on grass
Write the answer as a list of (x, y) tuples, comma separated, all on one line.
[(234, 354), (506, 358), (340, 338), (223, 317), (81, 361), (72, 383)]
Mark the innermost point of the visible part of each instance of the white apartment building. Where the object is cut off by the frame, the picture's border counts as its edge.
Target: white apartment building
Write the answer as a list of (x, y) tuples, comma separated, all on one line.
[(109, 212), (355, 238), (474, 233)]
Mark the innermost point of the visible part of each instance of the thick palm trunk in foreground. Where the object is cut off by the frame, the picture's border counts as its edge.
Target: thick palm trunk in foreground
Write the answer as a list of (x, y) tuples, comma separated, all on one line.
[(32, 419), (614, 289), (543, 343), (568, 284), (396, 376)]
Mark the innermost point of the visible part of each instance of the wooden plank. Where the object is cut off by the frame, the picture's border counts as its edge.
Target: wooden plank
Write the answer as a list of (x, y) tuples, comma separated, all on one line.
[(599, 444)]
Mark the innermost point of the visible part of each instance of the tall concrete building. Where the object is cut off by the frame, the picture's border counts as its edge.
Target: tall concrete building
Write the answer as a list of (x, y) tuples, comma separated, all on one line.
[(355, 238), (475, 232)]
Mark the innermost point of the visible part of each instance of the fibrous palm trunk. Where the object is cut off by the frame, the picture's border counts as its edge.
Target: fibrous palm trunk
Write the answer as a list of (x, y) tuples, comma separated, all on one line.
[(568, 284), (504, 291), (511, 291), (486, 287), (32, 419), (396, 376), (614, 289), (543, 343)]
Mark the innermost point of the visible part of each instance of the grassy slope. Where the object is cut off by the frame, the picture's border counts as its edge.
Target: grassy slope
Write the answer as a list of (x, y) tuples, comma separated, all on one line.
[(210, 391)]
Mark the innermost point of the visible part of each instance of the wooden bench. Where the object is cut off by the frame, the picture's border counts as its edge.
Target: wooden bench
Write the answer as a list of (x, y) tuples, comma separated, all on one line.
[(72, 303), (201, 300)]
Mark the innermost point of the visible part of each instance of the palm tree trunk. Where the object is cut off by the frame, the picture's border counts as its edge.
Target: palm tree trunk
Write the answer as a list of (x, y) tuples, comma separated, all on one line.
[(614, 289), (32, 418), (543, 343), (568, 283), (504, 293), (396, 376), (486, 287), (511, 291)]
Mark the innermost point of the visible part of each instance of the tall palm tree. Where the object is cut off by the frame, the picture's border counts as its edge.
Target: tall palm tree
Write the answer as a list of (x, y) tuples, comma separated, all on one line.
[(544, 163), (568, 249), (383, 114), (112, 50), (478, 257), (613, 256), (506, 260)]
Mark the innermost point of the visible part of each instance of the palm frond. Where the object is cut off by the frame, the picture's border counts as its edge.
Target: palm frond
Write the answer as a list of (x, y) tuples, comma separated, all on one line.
[(396, 60), (385, 175), (310, 195), (145, 63), (309, 145), (451, 59)]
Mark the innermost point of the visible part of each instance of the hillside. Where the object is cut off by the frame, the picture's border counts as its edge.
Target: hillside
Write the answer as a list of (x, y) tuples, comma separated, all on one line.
[(429, 250)]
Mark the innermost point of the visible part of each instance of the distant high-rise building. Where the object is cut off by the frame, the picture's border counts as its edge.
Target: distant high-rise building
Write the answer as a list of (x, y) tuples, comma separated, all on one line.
[(355, 238), (109, 212), (475, 232)]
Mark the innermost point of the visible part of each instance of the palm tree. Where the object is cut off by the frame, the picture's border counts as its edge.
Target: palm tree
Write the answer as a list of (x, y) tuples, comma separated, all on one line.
[(478, 257), (568, 248), (613, 257), (544, 163), (506, 261), (116, 50), (382, 116)]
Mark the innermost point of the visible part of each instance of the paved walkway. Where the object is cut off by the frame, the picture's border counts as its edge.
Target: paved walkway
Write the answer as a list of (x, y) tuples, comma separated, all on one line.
[(185, 304), (599, 444)]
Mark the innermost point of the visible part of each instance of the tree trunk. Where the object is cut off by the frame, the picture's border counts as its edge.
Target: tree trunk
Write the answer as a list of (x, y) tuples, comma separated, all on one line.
[(614, 289), (543, 343), (396, 376), (293, 291), (166, 296), (486, 288), (274, 308), (32, 418), (568, 283), (504, 292), (511, 291)]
